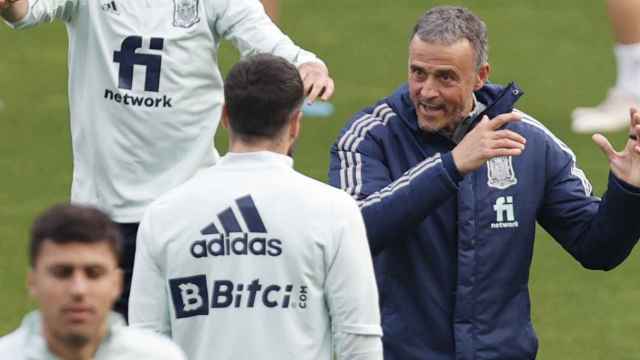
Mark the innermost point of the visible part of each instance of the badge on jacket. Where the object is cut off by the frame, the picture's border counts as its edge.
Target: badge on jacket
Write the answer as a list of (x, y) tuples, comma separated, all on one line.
[(500, 173), (185, 13)]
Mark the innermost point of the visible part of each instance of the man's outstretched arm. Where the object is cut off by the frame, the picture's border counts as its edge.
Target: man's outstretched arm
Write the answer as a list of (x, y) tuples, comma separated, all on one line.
[(599, 234)]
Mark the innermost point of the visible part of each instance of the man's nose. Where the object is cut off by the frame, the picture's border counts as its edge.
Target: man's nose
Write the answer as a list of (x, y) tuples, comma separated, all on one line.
[(429, 88), (79, 284)]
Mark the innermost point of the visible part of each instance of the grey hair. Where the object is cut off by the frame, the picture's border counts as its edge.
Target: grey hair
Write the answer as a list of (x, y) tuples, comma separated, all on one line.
[(447, 25)]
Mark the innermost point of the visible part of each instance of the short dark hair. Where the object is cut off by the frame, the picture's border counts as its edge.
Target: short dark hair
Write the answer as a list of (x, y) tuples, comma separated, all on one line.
[(447, 25), (261, 93), (66, 223)]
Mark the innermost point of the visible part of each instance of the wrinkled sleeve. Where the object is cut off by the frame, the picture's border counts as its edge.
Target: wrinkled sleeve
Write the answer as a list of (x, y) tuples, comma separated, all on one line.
[(41, 11), (599, 233), (352, 295), (148, 303), (249, 28), (360, 165)]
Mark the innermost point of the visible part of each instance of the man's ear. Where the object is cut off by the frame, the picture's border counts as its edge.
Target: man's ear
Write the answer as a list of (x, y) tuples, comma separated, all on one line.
[(295, 125), (225, 117), (31, 282), (119, 279), (482, 76)]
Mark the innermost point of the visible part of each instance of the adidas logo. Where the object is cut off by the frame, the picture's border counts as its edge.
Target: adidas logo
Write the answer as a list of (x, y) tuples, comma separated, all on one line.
[(111, 7), (237, 239)]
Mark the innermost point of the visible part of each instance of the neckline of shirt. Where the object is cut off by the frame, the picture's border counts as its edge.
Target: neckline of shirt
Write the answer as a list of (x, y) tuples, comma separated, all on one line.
[(255, 158)]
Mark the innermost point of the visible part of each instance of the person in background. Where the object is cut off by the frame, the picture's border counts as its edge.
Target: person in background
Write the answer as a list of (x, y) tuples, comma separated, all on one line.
[(145, 92), (75, 279), (612, 113)]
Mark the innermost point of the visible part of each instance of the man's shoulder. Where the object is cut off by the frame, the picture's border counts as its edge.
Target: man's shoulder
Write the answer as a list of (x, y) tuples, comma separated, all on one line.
[(191, 187), (531, 128), (384, 108), (145, 344), (379, 119), (13, 344), (320, 194)]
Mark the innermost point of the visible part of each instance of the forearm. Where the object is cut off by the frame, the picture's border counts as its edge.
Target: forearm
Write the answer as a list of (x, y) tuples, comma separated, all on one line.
[(406, 202), (612, 232), (617, 230), (15, 11)]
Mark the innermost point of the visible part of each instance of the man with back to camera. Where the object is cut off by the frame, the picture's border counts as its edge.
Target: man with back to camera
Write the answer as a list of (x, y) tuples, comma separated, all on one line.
[(145, 92), (251, 258), (75, 279), (450, 199)]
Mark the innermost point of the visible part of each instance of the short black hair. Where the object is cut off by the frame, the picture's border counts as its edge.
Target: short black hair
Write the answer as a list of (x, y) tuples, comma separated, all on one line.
[(261, 93), (67, 223)]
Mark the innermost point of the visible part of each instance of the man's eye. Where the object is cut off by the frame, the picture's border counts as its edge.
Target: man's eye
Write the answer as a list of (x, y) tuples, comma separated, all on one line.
[(95, 272), (61, 272)]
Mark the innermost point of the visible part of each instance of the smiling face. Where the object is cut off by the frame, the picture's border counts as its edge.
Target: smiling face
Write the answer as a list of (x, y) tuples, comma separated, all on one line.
[(75, 285), (442, 79)]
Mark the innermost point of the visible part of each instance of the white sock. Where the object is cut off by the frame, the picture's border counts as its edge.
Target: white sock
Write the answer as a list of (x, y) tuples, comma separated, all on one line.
[(628, 60)]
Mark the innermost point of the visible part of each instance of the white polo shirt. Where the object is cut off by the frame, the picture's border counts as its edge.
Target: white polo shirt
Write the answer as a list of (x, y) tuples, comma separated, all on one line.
[(121, 343), (253, 260), (145, 91)]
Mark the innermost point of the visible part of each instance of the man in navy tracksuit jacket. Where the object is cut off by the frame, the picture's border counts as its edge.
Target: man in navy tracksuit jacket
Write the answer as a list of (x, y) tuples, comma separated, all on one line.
[(451, 199)]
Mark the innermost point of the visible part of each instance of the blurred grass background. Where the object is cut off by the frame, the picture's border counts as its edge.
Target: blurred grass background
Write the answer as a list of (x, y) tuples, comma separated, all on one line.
[(559, 52)]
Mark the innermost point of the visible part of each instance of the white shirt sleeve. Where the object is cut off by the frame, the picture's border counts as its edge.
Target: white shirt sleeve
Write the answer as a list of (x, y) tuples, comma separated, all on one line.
[(148, 303), (352, 295), (249, 28), (46, 11)]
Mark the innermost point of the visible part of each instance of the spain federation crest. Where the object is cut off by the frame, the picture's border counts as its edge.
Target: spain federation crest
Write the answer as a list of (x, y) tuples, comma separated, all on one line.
[(500, 173), (185, 13)]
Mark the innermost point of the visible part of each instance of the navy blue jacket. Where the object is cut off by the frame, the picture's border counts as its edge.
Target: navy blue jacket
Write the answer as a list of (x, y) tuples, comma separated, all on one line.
[(451, 253)]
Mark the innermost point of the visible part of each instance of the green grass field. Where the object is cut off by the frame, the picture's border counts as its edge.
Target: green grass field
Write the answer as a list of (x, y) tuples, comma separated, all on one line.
[(559, 52)]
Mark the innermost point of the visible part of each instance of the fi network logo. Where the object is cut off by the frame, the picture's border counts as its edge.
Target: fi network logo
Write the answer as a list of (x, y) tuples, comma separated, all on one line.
[(130, 58), (251, 238), (505, 215)]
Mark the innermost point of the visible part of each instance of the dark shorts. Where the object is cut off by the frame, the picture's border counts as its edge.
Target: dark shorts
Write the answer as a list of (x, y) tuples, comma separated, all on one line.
[(129, 233)]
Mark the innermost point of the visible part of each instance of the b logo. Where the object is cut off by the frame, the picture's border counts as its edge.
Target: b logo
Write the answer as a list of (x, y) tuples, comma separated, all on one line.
[(128, 58), (190, 296)]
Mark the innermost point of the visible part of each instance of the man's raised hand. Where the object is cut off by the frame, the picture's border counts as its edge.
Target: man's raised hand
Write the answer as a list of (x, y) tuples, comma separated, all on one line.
[(317, 82), (624, 164), (486, 141)]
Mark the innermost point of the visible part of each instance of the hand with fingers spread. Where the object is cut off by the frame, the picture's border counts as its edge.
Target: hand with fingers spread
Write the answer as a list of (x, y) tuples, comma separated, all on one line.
[(487, 141), (624, 164), (317, 82)]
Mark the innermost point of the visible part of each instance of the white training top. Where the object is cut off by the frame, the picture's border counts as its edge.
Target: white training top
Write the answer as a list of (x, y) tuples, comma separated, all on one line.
[(145, 91), (121, 343), (253, 260)]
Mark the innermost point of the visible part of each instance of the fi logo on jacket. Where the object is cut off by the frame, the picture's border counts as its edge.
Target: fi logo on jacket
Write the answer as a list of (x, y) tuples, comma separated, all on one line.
[(505, 213)]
